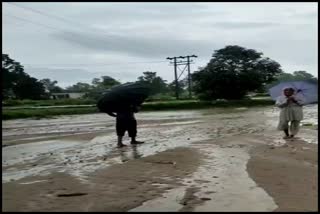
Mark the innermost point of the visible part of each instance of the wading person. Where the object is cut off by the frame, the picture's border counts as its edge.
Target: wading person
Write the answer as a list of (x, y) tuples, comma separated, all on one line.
[(125, 121), (290, 104)]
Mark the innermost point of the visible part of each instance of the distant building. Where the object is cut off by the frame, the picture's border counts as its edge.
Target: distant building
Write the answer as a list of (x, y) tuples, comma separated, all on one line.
[(67, 95)]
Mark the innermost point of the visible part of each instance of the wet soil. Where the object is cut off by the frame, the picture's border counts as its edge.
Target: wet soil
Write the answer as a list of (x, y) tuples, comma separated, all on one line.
[(203, 160)]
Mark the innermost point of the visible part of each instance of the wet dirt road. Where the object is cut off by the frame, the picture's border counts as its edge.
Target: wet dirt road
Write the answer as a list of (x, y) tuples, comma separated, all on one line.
[(49, 158)]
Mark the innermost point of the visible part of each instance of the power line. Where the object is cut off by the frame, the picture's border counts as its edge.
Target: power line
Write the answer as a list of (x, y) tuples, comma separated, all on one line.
[(54, 28), (29, 21), (69, 21), (42, 13), (96, 64), (60, 18), (36, 23)]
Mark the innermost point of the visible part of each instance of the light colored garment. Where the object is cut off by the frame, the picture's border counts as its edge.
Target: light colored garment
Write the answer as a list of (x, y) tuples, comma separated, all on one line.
[(293, 128), (290, 112)]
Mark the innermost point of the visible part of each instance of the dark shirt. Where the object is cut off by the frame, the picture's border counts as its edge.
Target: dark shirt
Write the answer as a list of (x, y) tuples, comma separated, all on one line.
[(127, 113)]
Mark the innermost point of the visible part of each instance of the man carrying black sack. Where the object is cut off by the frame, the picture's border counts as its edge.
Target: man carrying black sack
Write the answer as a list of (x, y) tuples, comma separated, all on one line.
[(126, 122)]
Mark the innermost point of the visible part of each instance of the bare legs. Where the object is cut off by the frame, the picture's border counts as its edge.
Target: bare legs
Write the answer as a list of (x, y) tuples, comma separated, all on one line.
[(120, 144), (294, 129)]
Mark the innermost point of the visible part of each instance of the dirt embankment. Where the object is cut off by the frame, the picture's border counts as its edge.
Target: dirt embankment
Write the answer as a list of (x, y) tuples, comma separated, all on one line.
[(226, 172), (120, 187), (288, 173)]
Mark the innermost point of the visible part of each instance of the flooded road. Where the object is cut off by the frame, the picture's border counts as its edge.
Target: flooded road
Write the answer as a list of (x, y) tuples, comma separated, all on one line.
[(80, 145)]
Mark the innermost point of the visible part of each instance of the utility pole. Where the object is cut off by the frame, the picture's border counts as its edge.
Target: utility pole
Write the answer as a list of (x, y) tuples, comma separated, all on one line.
[(176, 77), (187, 65), (189, 77)]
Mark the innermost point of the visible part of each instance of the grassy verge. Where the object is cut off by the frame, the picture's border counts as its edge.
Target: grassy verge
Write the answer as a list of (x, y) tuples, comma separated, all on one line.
[(180, 105), (8, 114), (65, 102), (152, 106), (34, 103)]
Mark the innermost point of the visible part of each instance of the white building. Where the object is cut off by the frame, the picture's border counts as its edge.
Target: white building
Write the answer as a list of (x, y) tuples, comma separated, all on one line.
[(67, 95)]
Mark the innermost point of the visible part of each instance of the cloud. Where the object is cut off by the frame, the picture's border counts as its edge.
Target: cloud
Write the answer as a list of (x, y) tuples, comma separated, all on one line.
[(134, 45), (305, 15), (118, 33), (70, 76), (245, 25)]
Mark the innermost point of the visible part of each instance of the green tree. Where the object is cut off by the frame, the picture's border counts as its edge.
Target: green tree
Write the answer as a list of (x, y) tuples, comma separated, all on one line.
[(303, 75), (96, 82), (233, 72), (156, 83), (29, 88), (108, 82), (18, 84), (181, 87), (100, 85), (11, 70), (105, 82), (79, 87), (295, 76), (50, 86)]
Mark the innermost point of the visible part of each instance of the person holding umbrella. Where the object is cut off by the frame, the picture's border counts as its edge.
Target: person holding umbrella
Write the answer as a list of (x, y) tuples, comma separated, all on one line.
[(125, 121), (290, 96), (290, 104), (122, 102)]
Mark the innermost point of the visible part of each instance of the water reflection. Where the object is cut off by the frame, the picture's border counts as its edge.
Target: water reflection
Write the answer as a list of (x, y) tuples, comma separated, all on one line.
[(52, 154), (135, 152), (129, 153)]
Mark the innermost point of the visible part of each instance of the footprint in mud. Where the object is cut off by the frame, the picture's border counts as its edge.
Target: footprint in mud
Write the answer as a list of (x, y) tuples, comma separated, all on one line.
[(210, 192), (201, 181), (71, 194), (205, 199)]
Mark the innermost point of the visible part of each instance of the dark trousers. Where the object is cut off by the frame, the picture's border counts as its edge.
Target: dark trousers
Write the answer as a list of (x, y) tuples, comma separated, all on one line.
[(123, 125)]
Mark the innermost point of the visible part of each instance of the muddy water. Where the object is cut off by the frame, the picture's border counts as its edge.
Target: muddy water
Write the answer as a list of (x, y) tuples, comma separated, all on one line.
[(85, 143), (221, 181), (160, 131)]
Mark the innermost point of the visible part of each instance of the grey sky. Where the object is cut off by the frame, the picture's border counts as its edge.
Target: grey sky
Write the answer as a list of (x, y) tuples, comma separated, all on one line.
[(76, 42)]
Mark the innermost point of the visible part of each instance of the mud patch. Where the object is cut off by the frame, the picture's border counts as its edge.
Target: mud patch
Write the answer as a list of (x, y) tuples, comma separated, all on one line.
[(120, 187), (28, 195), (149, 181), (218, 184), (289, 174)]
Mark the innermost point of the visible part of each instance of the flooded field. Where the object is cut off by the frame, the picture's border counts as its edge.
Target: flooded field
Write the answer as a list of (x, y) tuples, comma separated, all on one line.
[(80, 146)]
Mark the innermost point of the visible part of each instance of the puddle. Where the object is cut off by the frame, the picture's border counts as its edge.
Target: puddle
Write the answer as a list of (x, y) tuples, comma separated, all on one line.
[(229, 182), (177, 123), (18, 174), (80, 157), (32, 182), (25, 152), (170, 201), (222, 181)]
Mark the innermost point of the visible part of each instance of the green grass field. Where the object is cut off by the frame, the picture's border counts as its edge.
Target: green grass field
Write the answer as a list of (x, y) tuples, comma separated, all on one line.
[(29, 103), (28, 112), (8, 114)]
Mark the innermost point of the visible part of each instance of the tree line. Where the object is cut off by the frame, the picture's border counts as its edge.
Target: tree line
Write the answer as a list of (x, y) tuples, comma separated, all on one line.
[(16, 84), (231, 73)]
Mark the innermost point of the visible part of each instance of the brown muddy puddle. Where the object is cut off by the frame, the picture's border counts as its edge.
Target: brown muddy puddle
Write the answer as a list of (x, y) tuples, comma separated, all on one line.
[(219, 184), (161, 131)]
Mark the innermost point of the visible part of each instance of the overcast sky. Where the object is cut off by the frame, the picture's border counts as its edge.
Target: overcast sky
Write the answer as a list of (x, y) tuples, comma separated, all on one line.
[(76, 42)]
